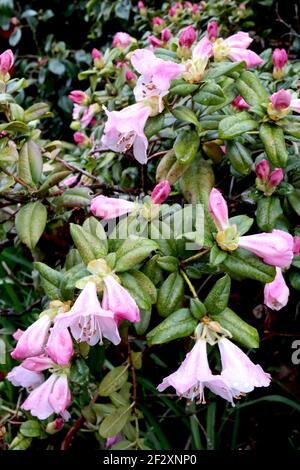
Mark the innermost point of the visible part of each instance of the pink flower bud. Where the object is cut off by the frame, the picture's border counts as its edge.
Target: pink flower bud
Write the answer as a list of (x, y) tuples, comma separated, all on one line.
[(276, 177), (161, 192), (55, 426), (110, 207), (6, 61), (212, 30), (60, 347), (79, 138), (218, 209), (166, 35), (195, 9), (296, 248), (157, 21), (279, 58), (262, 170), (239, 103), (281, 99), (140, 5), (119, 301), (111, 441), (122, 40), (242, 6), (276, 293), (187, 37), (78, 97), (33, 340), (172, 11), (154, 41), (96, 54), (130, 76)]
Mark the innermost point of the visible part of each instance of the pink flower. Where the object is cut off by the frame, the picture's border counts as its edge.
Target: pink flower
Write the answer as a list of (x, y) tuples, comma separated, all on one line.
[(195, 9), (274, 248), (281, 99), (295, 105), (276, 177), (52, 396), (6, 61), (166, 35), (21, 377), (140, 5), (96, 54), (125, 128), (87, 116), (262, 170), (279, 58), (80, 138), (187, 37), (154, 41), (122, 40), (239, 103), (110, 207), (33, 340), (87, 320), (78, 97), (70, 181), (55, 426), (212, 30), (161, 192), (235, 47), (203, 48), (296, 247), (119, 301), (111, 441), (157, 21), (218, 209), (130, 76), (276, 293), (172, 11), (77, 111), (60, 347), (238, 371), (156, 75), (38, 363), (194, 375)]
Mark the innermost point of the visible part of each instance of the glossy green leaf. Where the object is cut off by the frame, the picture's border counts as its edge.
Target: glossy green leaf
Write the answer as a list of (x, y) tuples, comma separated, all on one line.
[(113, 381), (233, 126), (272, 137), (243, 264), (170, 295), (218, 297), (31, 222), (178, 325), (268, 211), (113, 424), (133, 252), (30, 163), (240, 330), (186, 146)]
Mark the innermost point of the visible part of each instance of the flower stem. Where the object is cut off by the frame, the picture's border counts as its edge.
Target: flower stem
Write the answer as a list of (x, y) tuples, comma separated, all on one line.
[(194, 257), (191, 287)]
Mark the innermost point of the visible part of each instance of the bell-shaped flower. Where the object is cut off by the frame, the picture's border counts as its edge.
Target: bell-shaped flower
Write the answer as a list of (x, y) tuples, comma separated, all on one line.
[(155, 79), (235, 48), (52, 396), (60, 347), (110, 207), (33, 340), (125, 129), (218, 209), (194, 375), (238, 371), (119, 301), (19, 376), (87, 320), (275, 248), (276, 293)]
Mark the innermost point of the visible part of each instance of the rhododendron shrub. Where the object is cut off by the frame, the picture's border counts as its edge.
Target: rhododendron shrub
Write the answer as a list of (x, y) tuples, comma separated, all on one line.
[(158, 246)]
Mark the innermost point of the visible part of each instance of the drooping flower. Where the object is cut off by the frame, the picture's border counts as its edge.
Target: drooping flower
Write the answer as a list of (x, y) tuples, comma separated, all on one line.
[(52, 396), (279, 58), (19, 376), (33, 340), (110, 207), (122, 40), (161, 192), (276, 293), (194, 375), (238, 371), (119, 301), (60, 347), (155, 79), (6, 61), (235, 48), (125, 129), (87, 320), (218, 209)]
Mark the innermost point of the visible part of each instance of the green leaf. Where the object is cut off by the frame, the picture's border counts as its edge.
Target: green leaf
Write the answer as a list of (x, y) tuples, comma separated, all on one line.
[(113, 424), (30, 163), (242, 222), (210, 94), (239, 157), (186, 115), (170, 295), (50, 279), (56, 66), (178, 325), (113, 381), (186, 146), (140, 287), (240, 330), (80, 372), (224, 68), (169, 168), (233, 126), (142, 326), (30, 428), (218, 297), (36, 111), (17, 127), (268, 211), (52, 180), (251, 89), (294, 278), (133, 252), (243, 264), (90, 247), (157, 123), (95, 228), (31, 222), (168, 263), (20, 442), (181, 88), (197, 308), (294, 200), (76, 197), (216, 256), (198, 179), (272, 137)]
